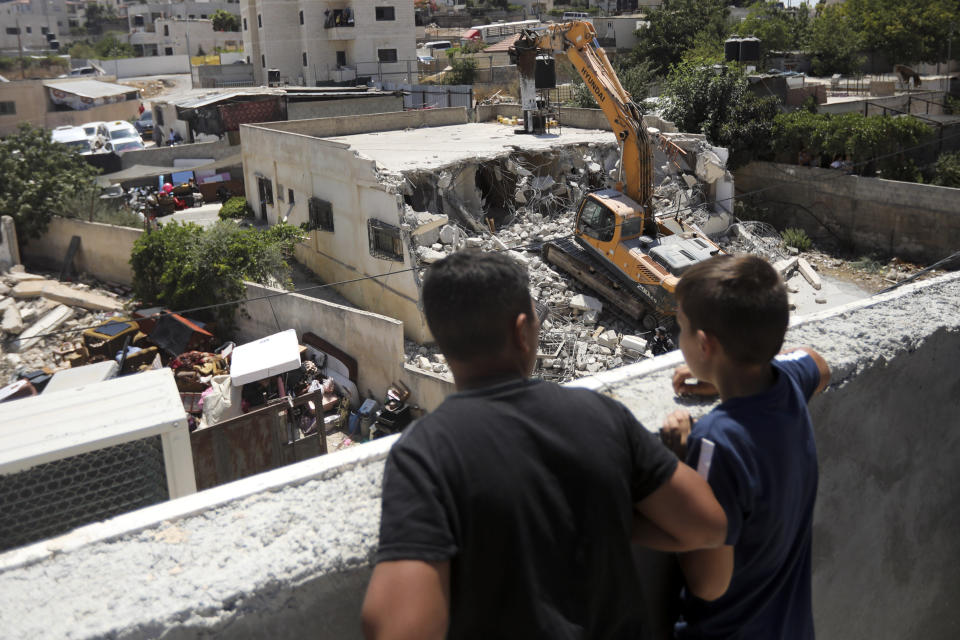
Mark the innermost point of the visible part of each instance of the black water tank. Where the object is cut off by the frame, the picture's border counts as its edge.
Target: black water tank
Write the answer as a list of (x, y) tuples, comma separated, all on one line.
[(54, 44), (545, 75), (750, 50), (273, 77), (731, 50)]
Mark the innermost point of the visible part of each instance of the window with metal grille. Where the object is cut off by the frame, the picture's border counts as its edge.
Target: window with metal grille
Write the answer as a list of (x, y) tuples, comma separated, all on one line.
[(301, 17), (304, 58), (8, 108), (290, 196), (385, 13), (244, 24), (321, 214), (387, 55), (385, 240), (265, 186), (260, 20), (12, 31)]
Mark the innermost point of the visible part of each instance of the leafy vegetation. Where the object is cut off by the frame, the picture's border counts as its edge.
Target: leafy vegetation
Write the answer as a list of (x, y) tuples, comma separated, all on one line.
[(796, 238), (678, 26), (635, 78), (904, 31), (834, 42), (716, 101), (39, 176), (86, 204), (236, 208), (106, 48), (777, 28), (874, 143), (184, 266), (947, 170), (225, 21), (463, 70)]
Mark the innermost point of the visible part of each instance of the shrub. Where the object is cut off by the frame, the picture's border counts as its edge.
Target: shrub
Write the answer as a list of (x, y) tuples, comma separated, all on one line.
[(947, 172), (236, 208), (797, 238), (185, 266)]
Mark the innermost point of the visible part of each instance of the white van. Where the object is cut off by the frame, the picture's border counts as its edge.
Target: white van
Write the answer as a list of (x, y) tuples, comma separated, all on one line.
[(73, 137), (575, 15)]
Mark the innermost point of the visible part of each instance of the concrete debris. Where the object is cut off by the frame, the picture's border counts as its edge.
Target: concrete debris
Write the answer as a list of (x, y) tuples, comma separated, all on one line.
[(608, 339), (809, 274), (47, 323), (633, 343), (449, 234), (21, 276), (586, 303), (4, 289), (29, 288), (429, 256), (821, 299), (65, 294), (784, 267), (12, 322)]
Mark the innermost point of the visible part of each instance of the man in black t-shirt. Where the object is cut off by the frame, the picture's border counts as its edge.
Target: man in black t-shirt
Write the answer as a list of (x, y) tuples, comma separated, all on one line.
[(508, 511)]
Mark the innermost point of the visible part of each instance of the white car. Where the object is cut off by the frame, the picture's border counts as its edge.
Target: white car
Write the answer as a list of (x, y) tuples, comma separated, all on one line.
[(92, 131), (120, 136), (73, 137)]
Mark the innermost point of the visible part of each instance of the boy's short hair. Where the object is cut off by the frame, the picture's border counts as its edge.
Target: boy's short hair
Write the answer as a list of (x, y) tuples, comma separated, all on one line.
[(741, 301), (471, 300)]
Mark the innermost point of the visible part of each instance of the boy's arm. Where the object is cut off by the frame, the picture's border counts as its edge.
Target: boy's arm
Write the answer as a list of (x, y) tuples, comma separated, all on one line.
[(407, 599), (681, 515), (708, 571), (822, 366)]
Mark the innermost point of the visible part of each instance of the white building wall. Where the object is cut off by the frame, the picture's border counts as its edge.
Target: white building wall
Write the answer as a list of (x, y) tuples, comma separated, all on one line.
[(172, 37), (308, 52), (331, 171), (34, 18)]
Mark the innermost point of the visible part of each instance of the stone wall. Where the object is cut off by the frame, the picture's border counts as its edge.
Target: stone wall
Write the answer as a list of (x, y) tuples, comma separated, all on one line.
[(912, 221), (287, 552), (346, 107), (350, 125), (104, 249)]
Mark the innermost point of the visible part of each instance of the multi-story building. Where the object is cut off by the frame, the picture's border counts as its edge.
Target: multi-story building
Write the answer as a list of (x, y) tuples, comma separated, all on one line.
[(32, 26), (142, 15), (329, 41), (176, 36)]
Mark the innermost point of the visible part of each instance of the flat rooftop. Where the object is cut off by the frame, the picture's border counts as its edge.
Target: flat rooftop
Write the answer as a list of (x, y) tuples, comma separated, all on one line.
[(433, 147)]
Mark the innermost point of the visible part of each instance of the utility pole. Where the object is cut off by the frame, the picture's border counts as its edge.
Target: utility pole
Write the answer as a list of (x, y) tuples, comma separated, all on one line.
[(23, 73)]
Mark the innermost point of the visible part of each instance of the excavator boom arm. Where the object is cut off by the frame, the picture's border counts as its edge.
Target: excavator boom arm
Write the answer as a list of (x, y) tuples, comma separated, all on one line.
[(577, 40)]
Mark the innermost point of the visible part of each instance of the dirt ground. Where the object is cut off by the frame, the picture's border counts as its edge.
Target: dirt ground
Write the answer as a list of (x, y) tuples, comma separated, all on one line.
[(868, 273)]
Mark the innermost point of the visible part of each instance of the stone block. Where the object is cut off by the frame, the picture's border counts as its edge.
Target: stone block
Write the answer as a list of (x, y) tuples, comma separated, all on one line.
[(429, 256), (12, 322), (633, 343), (783, 267), (586, 303), (809, 274), (608, 339), (21, 276)]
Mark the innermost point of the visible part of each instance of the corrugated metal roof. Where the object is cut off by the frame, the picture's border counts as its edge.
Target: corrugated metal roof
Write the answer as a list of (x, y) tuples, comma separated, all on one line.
[(90, 88), (220, 97), (49, 427)]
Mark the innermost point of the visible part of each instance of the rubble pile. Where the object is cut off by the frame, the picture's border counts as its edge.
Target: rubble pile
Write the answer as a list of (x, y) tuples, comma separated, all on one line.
[(33, 307)]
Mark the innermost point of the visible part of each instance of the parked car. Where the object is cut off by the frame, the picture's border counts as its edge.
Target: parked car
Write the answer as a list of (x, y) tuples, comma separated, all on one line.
[(144, 124), (73, 137), (119, 130), (125, 144), (92, 131)]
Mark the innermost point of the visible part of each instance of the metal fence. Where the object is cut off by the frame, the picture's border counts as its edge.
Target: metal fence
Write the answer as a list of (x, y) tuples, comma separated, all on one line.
[(52, 498), (425, 96)]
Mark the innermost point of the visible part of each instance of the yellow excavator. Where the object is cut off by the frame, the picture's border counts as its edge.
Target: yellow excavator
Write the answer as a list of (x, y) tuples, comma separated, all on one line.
[(620, 249)]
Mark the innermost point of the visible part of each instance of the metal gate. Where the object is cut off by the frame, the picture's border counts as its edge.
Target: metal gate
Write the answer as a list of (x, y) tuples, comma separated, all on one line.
[(426, 96)]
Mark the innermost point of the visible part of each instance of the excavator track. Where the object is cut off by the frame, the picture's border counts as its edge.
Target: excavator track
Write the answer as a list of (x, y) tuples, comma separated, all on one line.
[(635, 301)]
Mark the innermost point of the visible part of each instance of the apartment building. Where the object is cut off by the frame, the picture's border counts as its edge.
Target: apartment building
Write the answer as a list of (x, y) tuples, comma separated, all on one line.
[(143, 15), (175, 36), (33, 25), (316, 42)]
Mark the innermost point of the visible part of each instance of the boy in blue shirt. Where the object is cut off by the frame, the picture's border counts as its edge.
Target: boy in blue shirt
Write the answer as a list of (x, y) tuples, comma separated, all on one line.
[(756, 449)]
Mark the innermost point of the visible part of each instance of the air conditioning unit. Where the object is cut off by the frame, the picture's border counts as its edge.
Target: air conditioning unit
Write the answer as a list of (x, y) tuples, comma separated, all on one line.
[(89, 453)]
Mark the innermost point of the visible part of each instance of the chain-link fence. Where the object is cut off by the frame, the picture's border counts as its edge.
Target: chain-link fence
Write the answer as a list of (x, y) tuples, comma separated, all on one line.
[(52, 498)]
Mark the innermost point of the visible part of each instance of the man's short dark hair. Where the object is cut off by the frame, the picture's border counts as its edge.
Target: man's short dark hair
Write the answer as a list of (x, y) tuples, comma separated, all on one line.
[(472, 300), (741, 301)]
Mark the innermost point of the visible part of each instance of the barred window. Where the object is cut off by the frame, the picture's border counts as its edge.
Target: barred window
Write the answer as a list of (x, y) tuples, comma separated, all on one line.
[(385, 240), (321, 214)]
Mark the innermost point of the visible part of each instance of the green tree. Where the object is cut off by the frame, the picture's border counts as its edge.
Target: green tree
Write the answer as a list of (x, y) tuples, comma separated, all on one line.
[(835, 42), (39, 177), (225, 21), (779, 29), (904, 31), (717, 102), (96, 15), (463, 70), (676, 26), (947, 172), (184, 266), (110, 47)]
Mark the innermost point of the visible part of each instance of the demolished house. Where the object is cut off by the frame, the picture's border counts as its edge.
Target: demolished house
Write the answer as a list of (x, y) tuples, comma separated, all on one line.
[(386, 195)]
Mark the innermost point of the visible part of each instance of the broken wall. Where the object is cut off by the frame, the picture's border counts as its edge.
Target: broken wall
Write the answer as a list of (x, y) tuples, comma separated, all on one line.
[(350, 185), (288, 552), (911, 221), (104, 249), (350, 125)]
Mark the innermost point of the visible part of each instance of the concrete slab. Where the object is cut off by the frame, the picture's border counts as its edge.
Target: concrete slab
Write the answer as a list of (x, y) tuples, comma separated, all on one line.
[(49, 322), (12, 322), (29, 289), (65, 294), (806, 270), (434, 147)]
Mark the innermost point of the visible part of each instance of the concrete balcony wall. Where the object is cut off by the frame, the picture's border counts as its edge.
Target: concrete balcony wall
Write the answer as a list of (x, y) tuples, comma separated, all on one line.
[(287, 553)]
